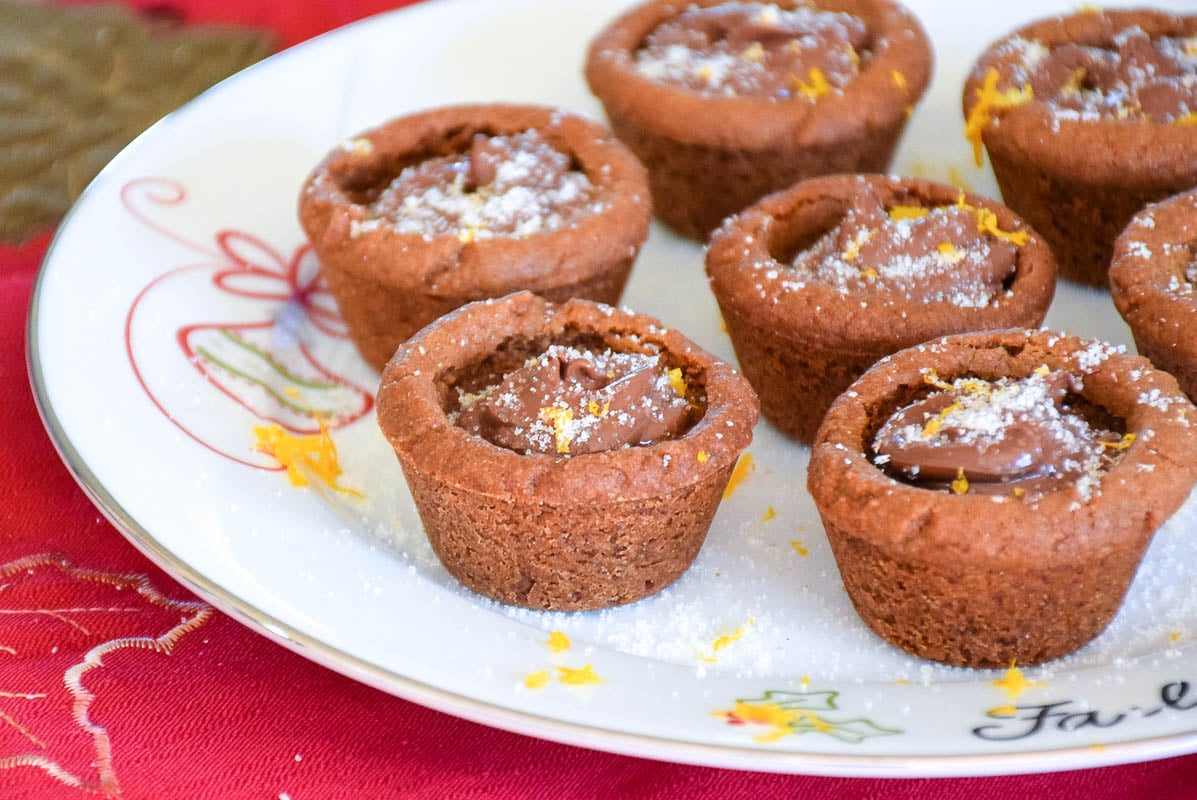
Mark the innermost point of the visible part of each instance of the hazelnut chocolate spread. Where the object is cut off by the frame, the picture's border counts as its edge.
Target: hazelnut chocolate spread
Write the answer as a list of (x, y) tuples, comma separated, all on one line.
[(1132, 76), (954, 254), (755, 49), (1010, 436), (569, 401), (513, 185)]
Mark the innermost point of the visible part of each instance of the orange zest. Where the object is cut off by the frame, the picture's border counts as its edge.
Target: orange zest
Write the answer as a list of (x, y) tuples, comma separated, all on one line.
[(900, 212), (581, 676), (743, 467), (960, 484), (989, 100), (302, 456), (815, 88), (560, 418)]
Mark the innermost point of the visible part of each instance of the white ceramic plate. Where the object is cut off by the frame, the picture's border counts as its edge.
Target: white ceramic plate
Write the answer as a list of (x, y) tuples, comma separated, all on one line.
[(177, 302)]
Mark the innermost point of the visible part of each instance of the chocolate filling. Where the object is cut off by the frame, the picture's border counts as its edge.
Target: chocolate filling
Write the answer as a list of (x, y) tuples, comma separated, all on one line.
[(572, 400), (514, 185), (1131, 76), (756, 49), (954, 253), (1022, 436)]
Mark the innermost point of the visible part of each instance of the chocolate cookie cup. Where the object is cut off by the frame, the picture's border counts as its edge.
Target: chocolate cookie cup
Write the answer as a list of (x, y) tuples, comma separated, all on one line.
[(801, 339), (1026, 575), (1152, 283), (389, 283), (552, 530), (709, 156), (1075, 160)]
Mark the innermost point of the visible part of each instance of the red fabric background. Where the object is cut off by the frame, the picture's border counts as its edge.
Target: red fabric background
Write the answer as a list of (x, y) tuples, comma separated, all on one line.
[(228, 714)]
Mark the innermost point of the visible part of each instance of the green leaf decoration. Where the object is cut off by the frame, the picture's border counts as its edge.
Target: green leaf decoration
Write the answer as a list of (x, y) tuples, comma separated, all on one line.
[(852, 731), (811, 701), (78, 83)]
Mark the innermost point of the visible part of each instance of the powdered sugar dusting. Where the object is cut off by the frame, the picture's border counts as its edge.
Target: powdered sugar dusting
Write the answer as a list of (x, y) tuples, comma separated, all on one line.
[(1009, 433), (532, 190), (754, 49)]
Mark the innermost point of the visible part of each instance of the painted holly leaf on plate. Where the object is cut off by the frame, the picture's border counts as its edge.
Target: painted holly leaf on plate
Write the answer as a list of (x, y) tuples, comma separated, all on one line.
[(58, 622), (78, 83)]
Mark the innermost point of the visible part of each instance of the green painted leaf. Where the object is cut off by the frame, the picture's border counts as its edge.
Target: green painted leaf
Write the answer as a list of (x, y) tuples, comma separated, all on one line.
[(77, 83), (808, 701), (852, 731)]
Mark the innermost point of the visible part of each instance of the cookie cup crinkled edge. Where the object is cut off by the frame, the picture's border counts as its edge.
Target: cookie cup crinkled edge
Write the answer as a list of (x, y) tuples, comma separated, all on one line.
[(546, 531), (981, 580), (389, 284), (1151, 289), (801, 346), (711, 156), (1079, 181)]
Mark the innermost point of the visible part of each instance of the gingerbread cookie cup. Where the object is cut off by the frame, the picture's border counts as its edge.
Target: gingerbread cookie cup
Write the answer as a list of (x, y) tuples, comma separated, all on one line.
[(1152, 282), (801, 339), (554, 531), (985, 579), (710, 155), (1076, 173), (389, 282)]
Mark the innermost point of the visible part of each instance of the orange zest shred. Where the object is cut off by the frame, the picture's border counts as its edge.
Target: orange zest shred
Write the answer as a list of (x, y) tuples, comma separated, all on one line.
[(743, 467), (960, 484), (898, 78), (815, 88), (1187, 119), (989, 99), (769, 514), (1126, 441), (950, 253), (726, 639), (987, 223), (559, 417), (678, 381), (852, 249), (703, 457), (537, 680), (901, 212), (1014, 683), (582, 676), (598, 411), (935, 424), (798, 548), (558, 642), (303, 456), (932, 378)]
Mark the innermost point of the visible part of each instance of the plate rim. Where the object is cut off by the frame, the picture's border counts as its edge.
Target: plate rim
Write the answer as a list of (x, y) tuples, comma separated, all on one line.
[(558, 730)]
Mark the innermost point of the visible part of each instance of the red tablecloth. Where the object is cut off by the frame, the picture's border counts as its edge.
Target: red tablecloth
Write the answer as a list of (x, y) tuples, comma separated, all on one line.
[(223, 712)]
